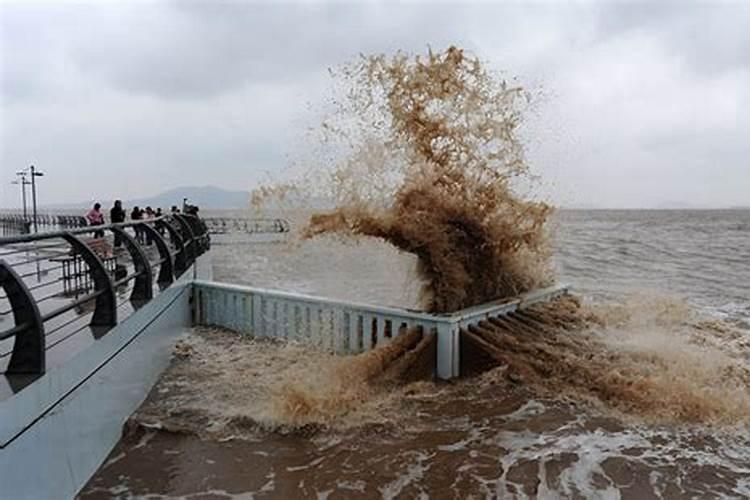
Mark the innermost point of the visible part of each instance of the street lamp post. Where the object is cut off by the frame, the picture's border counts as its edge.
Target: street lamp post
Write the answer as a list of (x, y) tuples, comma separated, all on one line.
[(34, 175), (23, 183)]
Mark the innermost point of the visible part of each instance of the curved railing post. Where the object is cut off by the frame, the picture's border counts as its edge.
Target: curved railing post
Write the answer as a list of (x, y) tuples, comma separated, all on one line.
[(105, 312), (28, 347), (143, 286), (166, 269), (188, 231), (200, 233), (180, 260)]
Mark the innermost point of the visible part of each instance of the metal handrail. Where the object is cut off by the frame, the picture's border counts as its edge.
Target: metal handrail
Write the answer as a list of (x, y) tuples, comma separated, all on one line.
[(26, 238), (71, 305), (13, 331), (18, 222), (248, 225), (345, 326), (29, 330)]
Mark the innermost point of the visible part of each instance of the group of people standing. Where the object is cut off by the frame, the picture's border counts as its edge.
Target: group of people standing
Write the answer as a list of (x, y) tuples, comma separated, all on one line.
[(117, 214)]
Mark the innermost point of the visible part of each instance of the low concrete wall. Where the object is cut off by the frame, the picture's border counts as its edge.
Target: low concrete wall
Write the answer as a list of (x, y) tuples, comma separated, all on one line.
[(55, 433)]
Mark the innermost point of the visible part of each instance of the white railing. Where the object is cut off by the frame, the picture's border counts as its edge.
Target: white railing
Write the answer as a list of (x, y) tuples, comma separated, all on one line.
[(344, 327)]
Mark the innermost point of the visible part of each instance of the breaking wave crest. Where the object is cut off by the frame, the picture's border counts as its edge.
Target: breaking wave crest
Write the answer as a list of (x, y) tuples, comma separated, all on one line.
[(423, 153)]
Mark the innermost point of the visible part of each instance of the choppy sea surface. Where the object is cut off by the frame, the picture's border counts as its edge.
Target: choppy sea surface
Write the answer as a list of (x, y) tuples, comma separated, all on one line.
[(221, 433)]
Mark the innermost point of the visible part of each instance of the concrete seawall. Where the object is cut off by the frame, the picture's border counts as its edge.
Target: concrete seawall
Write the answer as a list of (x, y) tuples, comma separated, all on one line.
[(56, 432)]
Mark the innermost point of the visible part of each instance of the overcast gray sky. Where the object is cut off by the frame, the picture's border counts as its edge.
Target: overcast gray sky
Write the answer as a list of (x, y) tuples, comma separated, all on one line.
[(645, 104)]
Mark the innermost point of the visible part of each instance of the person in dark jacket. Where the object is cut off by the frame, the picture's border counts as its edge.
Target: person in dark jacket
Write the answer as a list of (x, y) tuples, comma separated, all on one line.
[(148, 215), (117, 214), (160, 227), (137, 214)]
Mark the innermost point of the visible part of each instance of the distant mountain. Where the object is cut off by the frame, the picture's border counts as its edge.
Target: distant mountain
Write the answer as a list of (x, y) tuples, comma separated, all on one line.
[(205, 197)]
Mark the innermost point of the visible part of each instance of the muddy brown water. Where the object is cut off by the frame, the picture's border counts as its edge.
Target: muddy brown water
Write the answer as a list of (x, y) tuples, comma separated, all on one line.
[(226, 430), (494, 442)]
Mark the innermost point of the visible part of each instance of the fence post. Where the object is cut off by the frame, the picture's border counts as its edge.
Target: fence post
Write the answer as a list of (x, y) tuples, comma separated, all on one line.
[(258, 315), (189, 236), (447, 350), (166, 271), (105, 312), (143, 285), (28, 347), (180, 260)]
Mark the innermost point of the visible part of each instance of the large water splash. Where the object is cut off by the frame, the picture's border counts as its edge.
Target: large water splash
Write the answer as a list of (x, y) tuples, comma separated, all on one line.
[(428, 159)]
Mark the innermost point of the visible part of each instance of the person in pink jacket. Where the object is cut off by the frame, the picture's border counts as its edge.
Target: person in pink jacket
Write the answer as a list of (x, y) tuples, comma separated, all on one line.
[(95, 217)]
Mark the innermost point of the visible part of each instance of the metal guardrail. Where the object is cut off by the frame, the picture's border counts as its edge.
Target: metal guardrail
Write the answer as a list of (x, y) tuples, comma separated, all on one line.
[(16, 223), (51, 257), (223, 225), (344, 327)]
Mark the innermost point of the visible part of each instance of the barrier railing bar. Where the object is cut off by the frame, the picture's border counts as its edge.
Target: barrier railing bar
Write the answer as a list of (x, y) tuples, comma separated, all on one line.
[(188, 234), (126, 279), (250, 225), (40, 259), (13, 331), (47, 297), (66, 323), (317, 301), (362, 327), (28, 249), (71, 305), (66, 337), (40, 270), (123, 302), (26, 238), (37, 287)]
